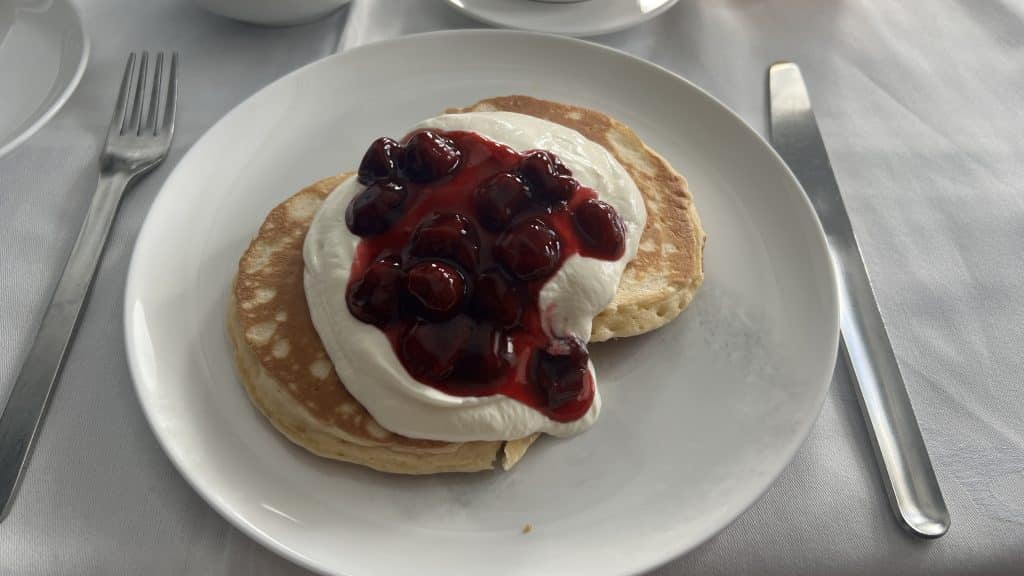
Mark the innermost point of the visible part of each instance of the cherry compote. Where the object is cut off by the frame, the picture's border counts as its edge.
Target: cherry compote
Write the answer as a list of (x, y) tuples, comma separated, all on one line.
[(601, 230), (459, 234), (381, 161)]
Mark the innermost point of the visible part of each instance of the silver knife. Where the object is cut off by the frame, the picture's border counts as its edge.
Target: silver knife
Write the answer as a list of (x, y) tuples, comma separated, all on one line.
[(907, 472)]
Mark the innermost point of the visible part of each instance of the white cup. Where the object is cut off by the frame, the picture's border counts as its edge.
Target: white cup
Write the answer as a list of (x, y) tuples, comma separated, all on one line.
[(272, 12)]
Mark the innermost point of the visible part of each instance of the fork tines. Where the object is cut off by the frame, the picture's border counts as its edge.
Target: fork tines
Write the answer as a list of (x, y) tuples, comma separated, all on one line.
[(127, 121)]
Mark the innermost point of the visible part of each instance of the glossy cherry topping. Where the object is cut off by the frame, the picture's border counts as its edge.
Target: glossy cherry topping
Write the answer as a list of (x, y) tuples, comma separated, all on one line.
[(485, 355), (447, 235), (459, 236), (429, 156), (500, 198), (529, 250), (374, 298), (548, 177), (436, 289), (601, 229), (375, 209), (561, 371), (383, 160), (429, 351), (496, 300)]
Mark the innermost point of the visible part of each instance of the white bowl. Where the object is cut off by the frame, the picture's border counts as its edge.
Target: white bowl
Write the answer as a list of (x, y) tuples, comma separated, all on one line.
[(273, 12)]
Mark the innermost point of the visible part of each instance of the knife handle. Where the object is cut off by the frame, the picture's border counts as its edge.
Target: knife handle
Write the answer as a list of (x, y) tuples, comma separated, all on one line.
[(907, 472)]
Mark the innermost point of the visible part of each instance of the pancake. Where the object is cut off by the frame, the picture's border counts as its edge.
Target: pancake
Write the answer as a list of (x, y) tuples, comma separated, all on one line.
[(289, 377), (668, 269)]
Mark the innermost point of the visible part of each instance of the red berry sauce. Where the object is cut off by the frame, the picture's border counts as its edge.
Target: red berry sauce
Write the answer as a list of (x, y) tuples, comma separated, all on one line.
[(459, 236)]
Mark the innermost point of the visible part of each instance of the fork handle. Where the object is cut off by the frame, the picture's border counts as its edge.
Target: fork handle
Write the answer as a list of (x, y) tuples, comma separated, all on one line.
[(27, 403)]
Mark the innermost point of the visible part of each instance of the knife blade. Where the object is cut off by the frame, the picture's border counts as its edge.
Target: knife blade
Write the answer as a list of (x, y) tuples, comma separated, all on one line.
[(907, 474)]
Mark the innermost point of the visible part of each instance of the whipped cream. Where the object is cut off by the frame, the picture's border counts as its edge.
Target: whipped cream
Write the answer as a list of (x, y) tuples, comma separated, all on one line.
[(582, 287)]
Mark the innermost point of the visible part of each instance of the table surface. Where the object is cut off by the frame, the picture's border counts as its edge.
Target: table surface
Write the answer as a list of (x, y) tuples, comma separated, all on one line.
[(921, 109)]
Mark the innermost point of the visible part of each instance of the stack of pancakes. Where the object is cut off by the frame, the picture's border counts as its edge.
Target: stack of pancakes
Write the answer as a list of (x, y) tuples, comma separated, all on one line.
[(291, 380)]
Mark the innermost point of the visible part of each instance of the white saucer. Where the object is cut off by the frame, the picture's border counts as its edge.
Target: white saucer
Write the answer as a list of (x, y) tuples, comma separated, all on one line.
[(43, 46), (582, 18), (698, 417)]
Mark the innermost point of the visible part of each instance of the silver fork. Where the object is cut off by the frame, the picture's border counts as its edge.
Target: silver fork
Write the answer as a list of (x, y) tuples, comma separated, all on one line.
[(133, 148)]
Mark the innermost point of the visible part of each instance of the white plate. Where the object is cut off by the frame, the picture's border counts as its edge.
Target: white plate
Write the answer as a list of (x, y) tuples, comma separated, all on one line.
[(43, 46), (699, 417), (582, 18)]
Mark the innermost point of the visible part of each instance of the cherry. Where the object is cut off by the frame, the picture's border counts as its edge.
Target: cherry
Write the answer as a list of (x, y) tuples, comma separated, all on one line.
[(430, 156), (429, 351), (529, 250), (548, 177), (382, 160), (437, 289), (376, 208), (484, 356), (561, 371), (374, 297), (500, 198), (497, 301), (601, 229), (447, 235)]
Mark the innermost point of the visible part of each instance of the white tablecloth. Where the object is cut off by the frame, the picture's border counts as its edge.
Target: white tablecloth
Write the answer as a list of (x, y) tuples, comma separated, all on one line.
[(922, 107)]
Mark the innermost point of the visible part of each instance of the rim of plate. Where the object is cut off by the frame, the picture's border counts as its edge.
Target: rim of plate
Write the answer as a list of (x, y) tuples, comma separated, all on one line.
[(65, 94), (225, 508), (618, 26)]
